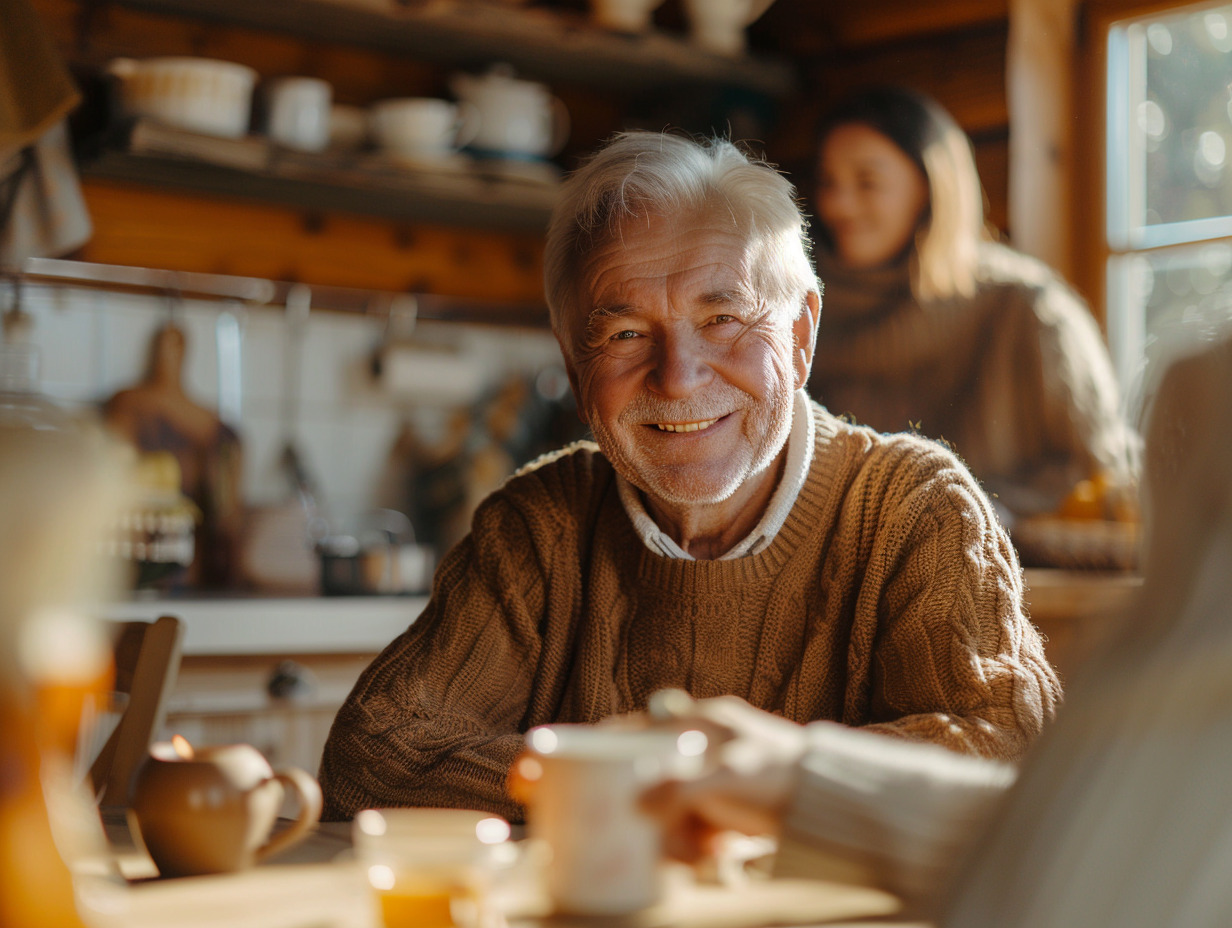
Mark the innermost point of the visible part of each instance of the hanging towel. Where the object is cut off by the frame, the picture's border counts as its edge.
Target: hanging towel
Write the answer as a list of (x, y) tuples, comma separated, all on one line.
[(42, 211)]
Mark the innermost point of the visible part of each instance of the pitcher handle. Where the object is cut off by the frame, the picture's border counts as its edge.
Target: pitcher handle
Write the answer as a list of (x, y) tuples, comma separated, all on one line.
[(310, 803)]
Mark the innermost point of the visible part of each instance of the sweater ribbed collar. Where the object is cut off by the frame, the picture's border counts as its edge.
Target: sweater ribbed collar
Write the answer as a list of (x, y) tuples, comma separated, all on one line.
[(857, 298), (795, 472)]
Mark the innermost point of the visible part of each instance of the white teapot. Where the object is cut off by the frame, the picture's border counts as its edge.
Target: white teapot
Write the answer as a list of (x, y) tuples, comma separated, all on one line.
[(517, 118)]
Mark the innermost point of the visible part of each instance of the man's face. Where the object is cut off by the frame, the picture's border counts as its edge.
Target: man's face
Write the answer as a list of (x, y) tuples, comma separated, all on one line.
[(682, 371)]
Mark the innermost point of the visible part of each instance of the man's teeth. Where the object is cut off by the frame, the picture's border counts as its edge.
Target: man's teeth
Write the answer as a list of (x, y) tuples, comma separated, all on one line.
[(685, 426)]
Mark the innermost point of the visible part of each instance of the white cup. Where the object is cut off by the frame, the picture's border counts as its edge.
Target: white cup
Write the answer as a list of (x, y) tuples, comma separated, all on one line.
[(718, 25), (606, 854), (299, 112), (421, 127)]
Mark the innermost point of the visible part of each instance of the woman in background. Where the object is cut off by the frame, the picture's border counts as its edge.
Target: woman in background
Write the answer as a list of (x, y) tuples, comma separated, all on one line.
[(930, 326)]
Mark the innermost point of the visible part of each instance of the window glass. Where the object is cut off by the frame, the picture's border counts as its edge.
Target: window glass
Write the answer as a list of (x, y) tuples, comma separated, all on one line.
[(1169, 170)]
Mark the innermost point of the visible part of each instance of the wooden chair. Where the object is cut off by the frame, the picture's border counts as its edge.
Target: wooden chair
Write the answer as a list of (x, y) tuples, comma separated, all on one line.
[(147, 658)]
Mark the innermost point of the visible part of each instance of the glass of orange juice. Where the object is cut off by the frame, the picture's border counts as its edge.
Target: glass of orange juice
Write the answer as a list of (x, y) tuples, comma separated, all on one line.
[(430, 868)]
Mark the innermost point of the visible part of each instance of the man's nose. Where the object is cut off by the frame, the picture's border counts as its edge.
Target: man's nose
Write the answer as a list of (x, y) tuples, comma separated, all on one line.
[(681, 366)]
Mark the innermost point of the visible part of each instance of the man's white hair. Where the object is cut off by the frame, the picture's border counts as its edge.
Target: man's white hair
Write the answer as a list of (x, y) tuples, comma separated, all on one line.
[(642, 174)]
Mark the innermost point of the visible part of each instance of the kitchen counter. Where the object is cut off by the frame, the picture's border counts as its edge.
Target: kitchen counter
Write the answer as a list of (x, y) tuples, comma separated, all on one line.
[(267, 625), (1074, 609)]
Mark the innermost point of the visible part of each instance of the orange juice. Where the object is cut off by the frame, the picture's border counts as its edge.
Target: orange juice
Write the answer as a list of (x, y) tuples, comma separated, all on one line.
[(420, 903)]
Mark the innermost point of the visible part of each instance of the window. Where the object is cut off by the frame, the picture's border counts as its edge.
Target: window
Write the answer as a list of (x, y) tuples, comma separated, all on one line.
[(1169, 188)]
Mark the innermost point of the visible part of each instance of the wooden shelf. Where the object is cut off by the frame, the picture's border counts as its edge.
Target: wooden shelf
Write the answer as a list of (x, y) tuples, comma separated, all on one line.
[(461, 199), (543, 44)]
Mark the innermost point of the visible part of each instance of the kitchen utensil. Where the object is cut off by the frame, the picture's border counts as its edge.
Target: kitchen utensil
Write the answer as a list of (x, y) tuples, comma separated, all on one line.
[(157, 414), (382, 558), (298, 112), (422, 128), (583, 783), (517, 118), (212, 810), (718, 25), (198, 94)]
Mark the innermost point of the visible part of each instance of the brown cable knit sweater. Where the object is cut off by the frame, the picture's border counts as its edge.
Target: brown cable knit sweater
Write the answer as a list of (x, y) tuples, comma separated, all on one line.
[(1016, 378), (890, 598)]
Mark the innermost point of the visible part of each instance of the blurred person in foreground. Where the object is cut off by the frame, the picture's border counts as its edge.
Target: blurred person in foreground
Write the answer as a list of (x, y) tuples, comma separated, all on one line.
[(723, 534), (1121, 814), (930, 326)]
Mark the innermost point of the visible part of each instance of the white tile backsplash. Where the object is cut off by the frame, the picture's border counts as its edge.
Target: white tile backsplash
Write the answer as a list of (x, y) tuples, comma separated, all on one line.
[(95, 343)]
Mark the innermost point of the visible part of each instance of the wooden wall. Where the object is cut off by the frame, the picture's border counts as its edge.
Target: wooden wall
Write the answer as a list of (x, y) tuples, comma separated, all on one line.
[(953, 50)]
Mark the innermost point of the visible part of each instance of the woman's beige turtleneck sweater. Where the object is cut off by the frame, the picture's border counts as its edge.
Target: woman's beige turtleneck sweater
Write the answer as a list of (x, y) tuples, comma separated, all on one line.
[(1016, 379)]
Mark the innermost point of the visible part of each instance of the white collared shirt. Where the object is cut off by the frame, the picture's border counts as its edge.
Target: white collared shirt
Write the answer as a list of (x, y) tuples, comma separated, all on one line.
[(799, 459)]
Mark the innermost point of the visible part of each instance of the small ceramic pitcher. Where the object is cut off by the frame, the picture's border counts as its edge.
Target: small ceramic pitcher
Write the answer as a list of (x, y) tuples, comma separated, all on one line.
[(213, 811)]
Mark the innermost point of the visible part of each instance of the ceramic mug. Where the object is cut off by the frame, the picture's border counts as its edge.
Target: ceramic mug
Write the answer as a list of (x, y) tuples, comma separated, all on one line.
[(585, 781), (299, 112), (421, 127), (213, 812)]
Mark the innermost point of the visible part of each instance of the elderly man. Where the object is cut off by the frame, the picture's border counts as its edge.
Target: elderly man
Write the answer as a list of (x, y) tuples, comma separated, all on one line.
[(724, 535)]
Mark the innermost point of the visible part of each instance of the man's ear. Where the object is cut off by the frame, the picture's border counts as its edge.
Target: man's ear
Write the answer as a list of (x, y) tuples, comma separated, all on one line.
[(804, 337)]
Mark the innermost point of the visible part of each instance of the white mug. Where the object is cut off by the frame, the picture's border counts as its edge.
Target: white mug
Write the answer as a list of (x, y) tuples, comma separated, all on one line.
[(299, 112), (421, 127), (606, 854)]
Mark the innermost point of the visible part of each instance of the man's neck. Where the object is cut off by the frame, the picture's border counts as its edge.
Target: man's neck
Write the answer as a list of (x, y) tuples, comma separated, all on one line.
[(710, 530)]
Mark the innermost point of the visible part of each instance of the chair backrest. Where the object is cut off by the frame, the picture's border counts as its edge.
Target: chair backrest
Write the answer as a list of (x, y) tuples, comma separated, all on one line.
[(147, 658)]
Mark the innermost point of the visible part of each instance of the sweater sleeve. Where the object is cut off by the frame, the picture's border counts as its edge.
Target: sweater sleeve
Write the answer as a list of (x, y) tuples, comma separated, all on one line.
[(1067, 401), (436, 719), (955, 659), (885, 812)]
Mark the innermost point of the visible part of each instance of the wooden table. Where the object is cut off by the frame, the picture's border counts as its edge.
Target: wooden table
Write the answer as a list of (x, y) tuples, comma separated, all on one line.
[(319, 884), (1077, 610)]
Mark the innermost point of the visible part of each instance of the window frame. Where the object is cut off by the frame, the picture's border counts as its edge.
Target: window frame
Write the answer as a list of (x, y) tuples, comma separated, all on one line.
[(1093, 176)]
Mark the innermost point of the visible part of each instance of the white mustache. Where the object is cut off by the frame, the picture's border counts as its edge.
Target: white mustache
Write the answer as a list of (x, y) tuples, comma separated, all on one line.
[(717, 403)]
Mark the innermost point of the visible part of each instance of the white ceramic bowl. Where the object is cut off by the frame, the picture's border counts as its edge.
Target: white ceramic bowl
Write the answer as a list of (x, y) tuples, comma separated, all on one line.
[(198, 94)]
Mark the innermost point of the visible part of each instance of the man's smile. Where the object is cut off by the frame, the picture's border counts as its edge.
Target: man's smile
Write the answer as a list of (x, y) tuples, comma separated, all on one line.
[(686, 426)]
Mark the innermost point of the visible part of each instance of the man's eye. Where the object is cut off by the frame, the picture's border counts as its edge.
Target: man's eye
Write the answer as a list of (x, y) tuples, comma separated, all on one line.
[(624, 335), (723, 319)]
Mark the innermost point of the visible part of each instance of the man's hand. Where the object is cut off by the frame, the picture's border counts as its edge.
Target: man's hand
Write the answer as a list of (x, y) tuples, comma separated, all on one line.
[(748, 783)]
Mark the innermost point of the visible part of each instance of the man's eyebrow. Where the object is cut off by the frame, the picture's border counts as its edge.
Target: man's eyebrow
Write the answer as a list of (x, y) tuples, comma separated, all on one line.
[(601, 314), (726, 296)]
